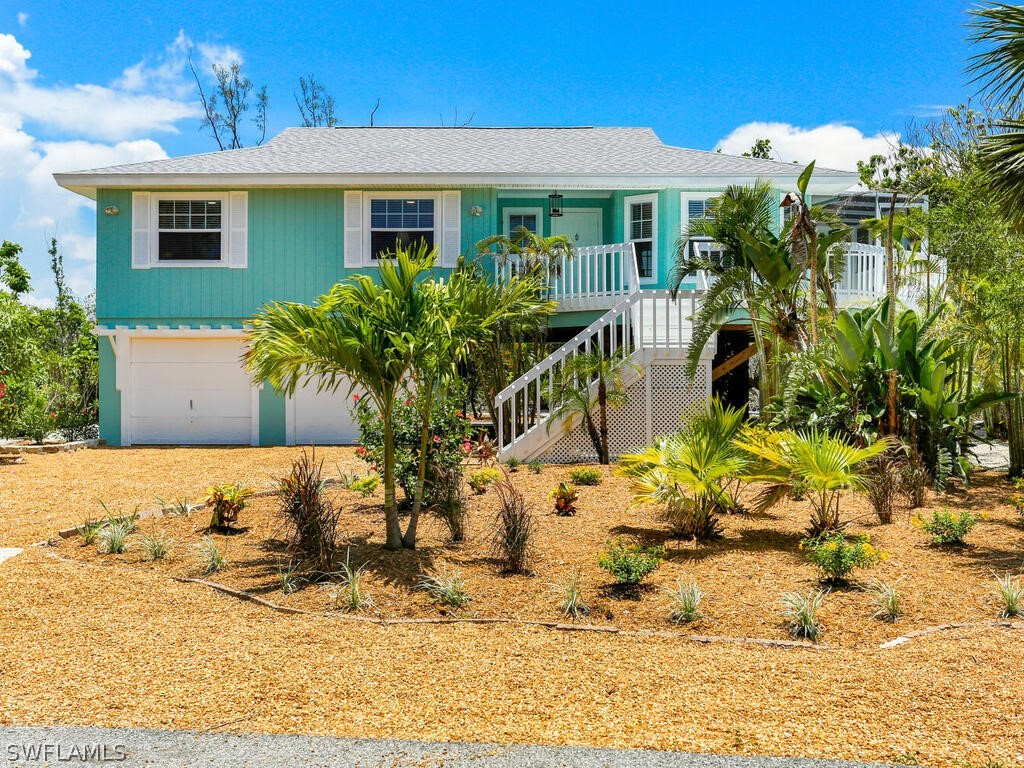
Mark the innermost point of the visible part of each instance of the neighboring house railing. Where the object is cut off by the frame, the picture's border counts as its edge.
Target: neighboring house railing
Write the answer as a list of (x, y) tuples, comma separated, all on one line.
[(595, 277)]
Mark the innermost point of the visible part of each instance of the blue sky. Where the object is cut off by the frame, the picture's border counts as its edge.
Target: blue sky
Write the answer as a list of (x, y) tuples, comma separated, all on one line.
[(83, 84)]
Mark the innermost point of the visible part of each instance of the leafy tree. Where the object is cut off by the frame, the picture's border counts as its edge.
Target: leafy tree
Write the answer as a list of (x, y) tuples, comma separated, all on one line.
[(761, 149), (12, 272)]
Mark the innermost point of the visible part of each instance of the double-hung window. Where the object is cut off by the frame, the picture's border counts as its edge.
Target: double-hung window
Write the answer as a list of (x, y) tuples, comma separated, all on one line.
[(695, 209), (401, 223), (190, 230), (642, 231)]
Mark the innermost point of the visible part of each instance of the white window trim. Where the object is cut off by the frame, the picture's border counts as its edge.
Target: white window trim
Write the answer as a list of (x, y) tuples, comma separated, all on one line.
[(684, 207), (154, 229), (368, 260), (508, 213), (626, 227)]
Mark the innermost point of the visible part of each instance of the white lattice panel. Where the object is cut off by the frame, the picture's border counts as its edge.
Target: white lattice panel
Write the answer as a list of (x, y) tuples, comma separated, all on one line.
[(666, 397)]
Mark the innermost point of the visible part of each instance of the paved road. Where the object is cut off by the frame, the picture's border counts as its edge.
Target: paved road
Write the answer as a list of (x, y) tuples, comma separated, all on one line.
[(177, 749)]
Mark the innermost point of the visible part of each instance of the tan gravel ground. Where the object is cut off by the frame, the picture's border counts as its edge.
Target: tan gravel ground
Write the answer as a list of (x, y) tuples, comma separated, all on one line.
[(108, 642)]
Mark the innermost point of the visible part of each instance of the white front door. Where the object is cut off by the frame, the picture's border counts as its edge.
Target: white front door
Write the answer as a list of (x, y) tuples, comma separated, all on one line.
[(187, 391), (581, 225)]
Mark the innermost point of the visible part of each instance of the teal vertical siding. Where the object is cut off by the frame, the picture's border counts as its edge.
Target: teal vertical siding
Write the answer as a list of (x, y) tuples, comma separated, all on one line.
[(110, 398)]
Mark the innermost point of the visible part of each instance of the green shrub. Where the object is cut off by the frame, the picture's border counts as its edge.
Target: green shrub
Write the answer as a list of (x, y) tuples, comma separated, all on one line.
[(365, 486), (449, 431), (837, 554), (573, 605), (1011, 595), (481, 479), (210, 557), (629, 564), (888, 602), (34, 417), (156, 546), (536, 466), (585, 476), (685, 601), (801, 611), (513, 464), (948, 528), (446, 587), (227, 501), (564, 495)]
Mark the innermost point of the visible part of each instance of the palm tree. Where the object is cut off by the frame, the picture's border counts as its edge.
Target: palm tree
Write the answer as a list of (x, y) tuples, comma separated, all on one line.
[(528, 252), (823, 464), (573, 393), (692, 473), (363, 333), (1000, 71)]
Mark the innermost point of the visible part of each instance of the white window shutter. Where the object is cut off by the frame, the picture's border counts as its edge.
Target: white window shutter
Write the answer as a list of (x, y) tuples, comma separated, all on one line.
[(451, 222), (141, 230), (238, 238), (353, 229)]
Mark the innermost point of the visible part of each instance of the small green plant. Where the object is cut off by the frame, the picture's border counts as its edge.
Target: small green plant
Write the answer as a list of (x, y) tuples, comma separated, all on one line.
[(513, 464), (1017, 499), (565, 496), (289, 579), (130, 521), (156, 545), (227, 501), (210, 557), (630, 564), (481, 479), (685, 600), (90, 530), (113, 538), (365, 486), (948, 528), (888, 601), (350, 594), (177, 508), (801, 611), (585, 476), (446, 587), (536, 466), (798, 489), (1011, 594), (837, 554), (573, 605)]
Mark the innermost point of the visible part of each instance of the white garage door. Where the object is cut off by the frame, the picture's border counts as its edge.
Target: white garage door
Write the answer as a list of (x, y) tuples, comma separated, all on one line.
[(189, 391), (322, 419)]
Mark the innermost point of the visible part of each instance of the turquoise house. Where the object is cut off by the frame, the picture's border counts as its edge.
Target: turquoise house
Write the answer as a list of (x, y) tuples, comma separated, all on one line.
[(189, 247)]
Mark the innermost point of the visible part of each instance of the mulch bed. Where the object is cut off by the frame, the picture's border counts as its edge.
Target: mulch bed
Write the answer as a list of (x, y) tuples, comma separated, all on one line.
[(743, 574)]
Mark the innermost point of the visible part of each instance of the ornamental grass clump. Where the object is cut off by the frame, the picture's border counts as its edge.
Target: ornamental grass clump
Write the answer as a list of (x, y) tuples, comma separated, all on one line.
[(573, 604), (156, 545), (801, 613), (685, 599), (536, 466), (1011, 596), (309, 516), (90, 531), (514, 529), (630, 563), (948, 529), (350, 593), (446, 587), (451, 505), (888, 601), (210, 558), (838, 554), (113, 538)]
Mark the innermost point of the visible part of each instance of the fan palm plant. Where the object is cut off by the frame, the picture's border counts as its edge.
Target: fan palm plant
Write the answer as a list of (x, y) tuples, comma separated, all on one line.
[(691, 473), (823, 465), (573, 393)]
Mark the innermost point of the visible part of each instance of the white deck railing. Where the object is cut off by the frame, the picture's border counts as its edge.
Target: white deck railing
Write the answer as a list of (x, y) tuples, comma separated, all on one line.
[(594, 277), (864, 278), (644, 321)]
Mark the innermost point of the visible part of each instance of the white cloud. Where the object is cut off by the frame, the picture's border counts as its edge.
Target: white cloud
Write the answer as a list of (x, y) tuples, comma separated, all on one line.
[(14, 59), (22, 18), (833, 145), (43, 302)]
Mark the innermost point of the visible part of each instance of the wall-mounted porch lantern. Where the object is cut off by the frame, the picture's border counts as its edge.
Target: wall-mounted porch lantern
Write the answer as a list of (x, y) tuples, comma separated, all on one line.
[(554, 205)]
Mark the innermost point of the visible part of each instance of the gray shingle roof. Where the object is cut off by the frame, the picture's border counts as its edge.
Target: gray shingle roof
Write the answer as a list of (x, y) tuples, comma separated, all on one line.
[(583, 151)]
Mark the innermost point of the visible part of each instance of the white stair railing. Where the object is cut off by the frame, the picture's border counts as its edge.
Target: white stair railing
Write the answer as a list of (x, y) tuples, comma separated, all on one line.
[(643, 322)]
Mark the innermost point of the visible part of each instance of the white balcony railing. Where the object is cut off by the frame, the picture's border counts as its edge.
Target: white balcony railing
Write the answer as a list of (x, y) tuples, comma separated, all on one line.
[(864, 278)]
